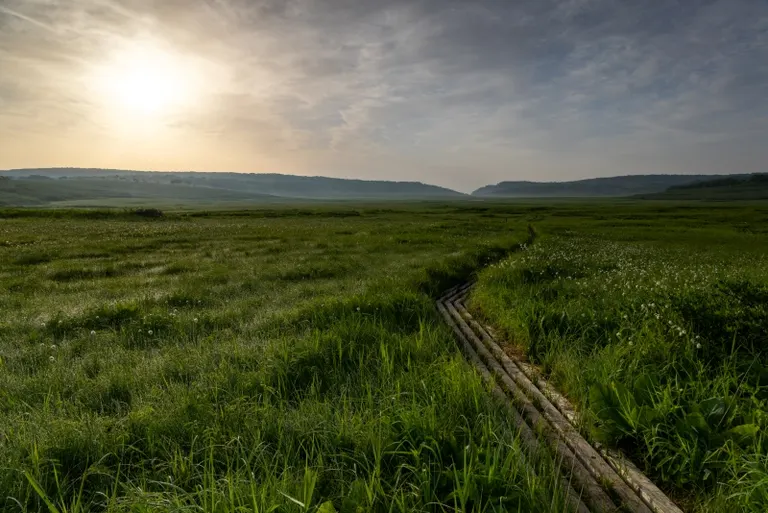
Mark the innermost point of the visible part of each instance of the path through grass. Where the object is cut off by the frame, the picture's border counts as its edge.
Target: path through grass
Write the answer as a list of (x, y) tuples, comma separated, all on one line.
[(249, 362), (659, 332)]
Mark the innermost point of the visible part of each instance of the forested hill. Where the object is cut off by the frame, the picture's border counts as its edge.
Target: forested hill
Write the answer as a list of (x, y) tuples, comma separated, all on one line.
[(66, 185), (616, 186), (741, 187)]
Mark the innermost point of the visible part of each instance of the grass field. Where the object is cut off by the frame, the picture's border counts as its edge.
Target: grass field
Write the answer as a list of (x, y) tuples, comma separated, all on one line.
[(291, 359), (656, 325), (263, 361)]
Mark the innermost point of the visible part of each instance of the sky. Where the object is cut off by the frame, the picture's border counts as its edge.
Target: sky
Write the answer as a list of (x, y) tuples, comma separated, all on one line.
[(455, 93)]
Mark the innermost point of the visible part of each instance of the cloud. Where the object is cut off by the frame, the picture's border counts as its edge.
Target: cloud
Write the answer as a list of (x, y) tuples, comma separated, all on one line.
[(447, 91)]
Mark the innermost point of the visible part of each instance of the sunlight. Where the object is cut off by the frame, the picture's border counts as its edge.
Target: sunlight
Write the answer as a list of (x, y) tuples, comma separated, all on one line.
[(145, 80)]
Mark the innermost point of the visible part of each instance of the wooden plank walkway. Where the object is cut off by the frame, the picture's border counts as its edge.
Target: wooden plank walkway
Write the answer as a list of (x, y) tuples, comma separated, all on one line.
[(595, 479)]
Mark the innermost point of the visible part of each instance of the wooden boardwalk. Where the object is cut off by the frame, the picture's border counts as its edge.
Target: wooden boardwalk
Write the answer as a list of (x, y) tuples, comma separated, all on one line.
[(596, 480)]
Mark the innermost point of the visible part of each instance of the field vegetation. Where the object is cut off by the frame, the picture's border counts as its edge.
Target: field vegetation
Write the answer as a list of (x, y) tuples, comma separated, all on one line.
[(273, 360), (657, 328), (290, 359)]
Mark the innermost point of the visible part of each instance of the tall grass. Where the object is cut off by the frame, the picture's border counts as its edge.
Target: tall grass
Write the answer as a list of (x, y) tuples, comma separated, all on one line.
[(661, 341), (313, 379), (291, 360)]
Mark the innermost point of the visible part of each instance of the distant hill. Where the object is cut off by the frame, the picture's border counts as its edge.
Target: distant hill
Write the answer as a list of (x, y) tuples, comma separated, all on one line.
[(616, 186), (41, 192), (39, 187), (740, 187)]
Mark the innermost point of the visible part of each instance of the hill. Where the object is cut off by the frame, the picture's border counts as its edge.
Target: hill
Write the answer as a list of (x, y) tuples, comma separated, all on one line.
[(741, 187), (39, 187), (35, 191), (616, 186)]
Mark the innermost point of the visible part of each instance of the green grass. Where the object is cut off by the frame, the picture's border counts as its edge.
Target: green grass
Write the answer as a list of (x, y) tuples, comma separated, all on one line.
[(290, 359), (655, 323), (284, 360)]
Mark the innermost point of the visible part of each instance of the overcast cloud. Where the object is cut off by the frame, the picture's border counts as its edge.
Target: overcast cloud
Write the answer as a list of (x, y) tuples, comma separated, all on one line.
[(457, 93)]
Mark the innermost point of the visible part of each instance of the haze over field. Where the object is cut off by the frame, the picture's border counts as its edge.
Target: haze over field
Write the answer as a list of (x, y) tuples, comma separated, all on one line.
[(460, 94)]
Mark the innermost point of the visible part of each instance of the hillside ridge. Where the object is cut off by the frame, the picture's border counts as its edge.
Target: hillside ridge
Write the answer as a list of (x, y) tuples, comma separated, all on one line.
[(737, 187), (614, 186), (41, 186)]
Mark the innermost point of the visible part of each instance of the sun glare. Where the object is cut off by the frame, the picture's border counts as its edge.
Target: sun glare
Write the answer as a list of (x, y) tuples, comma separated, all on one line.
[(147, 81)]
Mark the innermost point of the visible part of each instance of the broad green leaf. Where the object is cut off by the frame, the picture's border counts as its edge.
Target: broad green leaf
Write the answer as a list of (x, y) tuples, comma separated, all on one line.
[(644, 388), (742, 434), (326, 507), (714, 411)]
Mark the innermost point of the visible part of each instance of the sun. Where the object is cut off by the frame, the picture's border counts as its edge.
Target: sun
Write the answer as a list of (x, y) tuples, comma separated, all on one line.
[(145, 80), (147, 87)]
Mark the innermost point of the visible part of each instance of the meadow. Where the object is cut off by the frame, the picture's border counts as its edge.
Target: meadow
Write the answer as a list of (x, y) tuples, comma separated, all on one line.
[(291, 359), (656, 327), (273, 360)]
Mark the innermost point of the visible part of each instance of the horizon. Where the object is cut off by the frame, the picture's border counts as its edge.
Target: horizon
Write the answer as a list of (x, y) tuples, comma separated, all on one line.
[(468, 192), (447, 93)]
